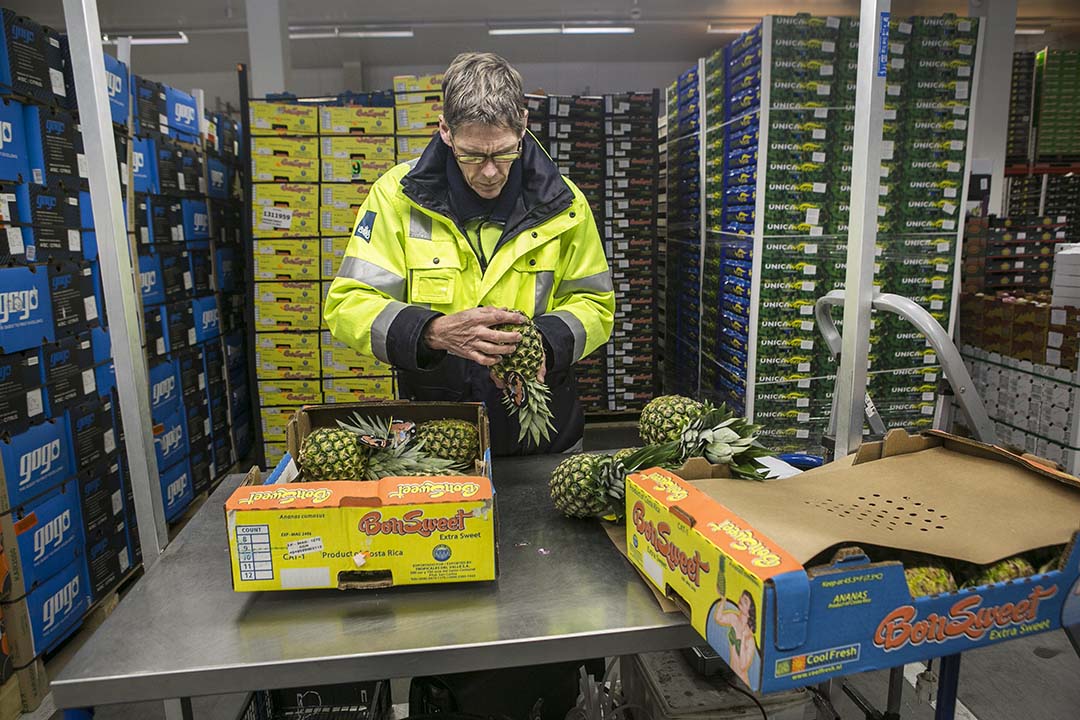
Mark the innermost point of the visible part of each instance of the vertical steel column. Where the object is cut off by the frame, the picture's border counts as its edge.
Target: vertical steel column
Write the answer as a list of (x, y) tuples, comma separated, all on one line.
[(862, 233), (703, 220), (948, 684), (117, 274)]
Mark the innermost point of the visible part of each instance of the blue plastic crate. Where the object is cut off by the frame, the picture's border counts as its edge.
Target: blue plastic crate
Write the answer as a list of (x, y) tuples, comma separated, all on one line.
[(181, 111), (38, 458), (49, 537), (177, 490)]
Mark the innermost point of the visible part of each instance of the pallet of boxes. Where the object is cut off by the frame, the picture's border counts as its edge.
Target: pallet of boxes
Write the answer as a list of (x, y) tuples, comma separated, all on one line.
[(387, 494), (418, 104)]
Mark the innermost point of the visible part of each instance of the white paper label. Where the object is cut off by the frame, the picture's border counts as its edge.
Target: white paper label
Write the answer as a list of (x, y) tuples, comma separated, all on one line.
[(15, 241), (84, 166), (806, 309), (109, 441), (893, 90), (806, 345), (949, 208), (89, 384), (810, 249), (813, 215), (821, 113), (117, 502), (74, 240), (188, 284), (964, 49), (160, 345), (39, 176), (809, 270), (276, 218), (298, 548), (950, 192), (90, 304), (807, 325), (206, 426), (125, 562), (832, 22), (1018, 265), (953, 167), (956, 145), (34, 404), (819, 133), (180, 181), (820, 187), (144, 234), (824, 89), (191, 336), (826, 70), (890, 113), (948, 224), (802, 402), (804, 367), (896, 48), (941, 267), (897, 63), (888, 149), (905, 28), (807, 286), (818, 157), (943, 247), (828, 46), (937, 284), (817, 231), (937, 304), (963, 71)]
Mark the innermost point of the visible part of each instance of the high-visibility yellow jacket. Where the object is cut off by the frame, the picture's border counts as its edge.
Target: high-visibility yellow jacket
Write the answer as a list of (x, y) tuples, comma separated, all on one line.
[(410, 260)]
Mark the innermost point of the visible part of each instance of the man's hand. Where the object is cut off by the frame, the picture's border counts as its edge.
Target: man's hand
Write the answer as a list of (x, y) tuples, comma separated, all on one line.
[(468, 334)]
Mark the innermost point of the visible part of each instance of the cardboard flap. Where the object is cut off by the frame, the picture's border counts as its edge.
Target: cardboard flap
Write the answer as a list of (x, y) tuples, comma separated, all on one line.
[(449, 489), (1027, 461), (792, 598), (303, 496)]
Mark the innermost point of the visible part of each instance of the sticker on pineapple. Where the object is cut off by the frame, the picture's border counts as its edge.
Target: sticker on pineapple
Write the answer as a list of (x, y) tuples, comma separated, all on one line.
[(363, 228)]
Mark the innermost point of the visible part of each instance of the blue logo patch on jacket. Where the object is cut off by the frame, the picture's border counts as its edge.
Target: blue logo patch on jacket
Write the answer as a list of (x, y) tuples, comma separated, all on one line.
[(363, 228)]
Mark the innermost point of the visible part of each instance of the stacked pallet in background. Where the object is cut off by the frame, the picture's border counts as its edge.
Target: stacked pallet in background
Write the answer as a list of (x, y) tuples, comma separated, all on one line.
[(187, 231), (1022, 353), (665, 112), (631, 189), (1014, 254), (778, 159), (539, 118), (1057, 87), (682, 300), (312, 166), (418, 104), (1021, 108)]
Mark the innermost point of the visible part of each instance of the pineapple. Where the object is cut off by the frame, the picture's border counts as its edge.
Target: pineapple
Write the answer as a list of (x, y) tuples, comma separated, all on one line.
[(1012, 568), (524, 396), (391, 452), (455, 440), (665, 417), (929, 577), (722, 438), (330, 454), (621, 455), (585, 485)]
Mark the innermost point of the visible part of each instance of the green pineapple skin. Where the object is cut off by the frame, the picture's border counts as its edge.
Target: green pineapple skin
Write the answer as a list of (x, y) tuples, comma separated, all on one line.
[(1012, 568), (929, 579), (574, 489), (534, 416), (456, 440), (665, 417), (330, 454)]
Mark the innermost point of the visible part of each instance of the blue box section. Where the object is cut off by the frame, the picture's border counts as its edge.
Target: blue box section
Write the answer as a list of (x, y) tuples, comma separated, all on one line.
[(151, 281), (170, 440), (52, 144), (220, 178), (49, 532), (26, 318), (196, 220), (37, 459), (116, 82), (207, 318), (177, 490), (226, 270), (22, 58), (105, 376), (182, 112), (144, 165), (57, 607), (14, 161), (165, 389)]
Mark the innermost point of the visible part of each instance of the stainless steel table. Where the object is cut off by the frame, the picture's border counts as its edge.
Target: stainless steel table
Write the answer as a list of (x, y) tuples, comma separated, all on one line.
[(563, 593)]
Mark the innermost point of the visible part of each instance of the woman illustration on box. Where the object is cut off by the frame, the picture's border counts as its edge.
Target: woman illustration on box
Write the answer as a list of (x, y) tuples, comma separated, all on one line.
[(731, 634)]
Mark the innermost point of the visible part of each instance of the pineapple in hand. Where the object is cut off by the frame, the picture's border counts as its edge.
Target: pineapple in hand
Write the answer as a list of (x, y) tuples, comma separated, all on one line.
[(520, 375)]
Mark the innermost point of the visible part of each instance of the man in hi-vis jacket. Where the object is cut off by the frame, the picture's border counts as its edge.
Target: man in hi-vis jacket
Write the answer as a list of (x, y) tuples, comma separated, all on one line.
[(483, 220)]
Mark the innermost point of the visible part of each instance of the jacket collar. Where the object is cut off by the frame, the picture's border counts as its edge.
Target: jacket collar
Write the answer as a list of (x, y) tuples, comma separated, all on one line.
[(543, 195)]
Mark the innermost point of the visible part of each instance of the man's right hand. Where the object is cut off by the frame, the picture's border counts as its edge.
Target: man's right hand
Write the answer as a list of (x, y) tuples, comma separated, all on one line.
[(469, 334)]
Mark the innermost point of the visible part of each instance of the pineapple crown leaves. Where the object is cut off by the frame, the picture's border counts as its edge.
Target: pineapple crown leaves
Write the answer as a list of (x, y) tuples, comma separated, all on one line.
[(402, 454), (722, 437)]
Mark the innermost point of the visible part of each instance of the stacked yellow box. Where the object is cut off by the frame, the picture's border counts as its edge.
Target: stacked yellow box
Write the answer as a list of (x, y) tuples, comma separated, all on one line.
[(417, 108)]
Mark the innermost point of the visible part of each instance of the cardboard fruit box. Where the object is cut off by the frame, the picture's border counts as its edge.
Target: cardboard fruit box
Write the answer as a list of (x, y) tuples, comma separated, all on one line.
[(286, 534), (732, 555)]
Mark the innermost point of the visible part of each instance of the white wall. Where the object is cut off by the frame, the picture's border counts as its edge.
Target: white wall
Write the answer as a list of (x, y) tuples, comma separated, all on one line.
[(555, 78)]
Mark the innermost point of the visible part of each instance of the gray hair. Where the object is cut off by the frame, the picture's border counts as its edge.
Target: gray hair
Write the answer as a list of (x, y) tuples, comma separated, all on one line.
[(483, 88)]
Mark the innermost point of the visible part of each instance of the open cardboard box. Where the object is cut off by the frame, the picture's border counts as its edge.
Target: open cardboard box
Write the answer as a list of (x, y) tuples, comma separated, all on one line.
[(731, 554), (285, 534)]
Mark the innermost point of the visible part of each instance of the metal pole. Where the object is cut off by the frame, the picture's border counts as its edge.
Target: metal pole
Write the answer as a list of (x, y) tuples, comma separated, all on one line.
[(862, 234), (178, 709), (948, 683), (117, 275)]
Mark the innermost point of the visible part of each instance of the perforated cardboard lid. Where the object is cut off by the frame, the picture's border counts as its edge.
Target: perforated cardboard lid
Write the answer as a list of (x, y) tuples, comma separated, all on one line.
[(934, 493)]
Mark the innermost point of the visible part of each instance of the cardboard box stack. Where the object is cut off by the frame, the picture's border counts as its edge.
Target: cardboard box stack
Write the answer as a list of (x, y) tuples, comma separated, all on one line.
[(1011, 254), (682, 301), (800, 226), (417, 107), (1025, 194), (1057, 87), (312, 169), (665, 113), (539, 118), (1023, 353), (1021, 110)]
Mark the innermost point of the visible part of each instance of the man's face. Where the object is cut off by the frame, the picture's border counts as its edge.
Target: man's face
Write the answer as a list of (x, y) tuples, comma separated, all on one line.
[(487, 178)]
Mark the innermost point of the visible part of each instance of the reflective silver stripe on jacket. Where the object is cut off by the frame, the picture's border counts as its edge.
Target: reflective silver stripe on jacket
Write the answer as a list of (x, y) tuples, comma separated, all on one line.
[(381, 279), (576, 328), (380, 329), (545, 279), (600, 282), (419, 225)]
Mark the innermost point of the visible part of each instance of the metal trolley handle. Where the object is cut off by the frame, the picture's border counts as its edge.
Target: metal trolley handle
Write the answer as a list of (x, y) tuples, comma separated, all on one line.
[(951, 363)]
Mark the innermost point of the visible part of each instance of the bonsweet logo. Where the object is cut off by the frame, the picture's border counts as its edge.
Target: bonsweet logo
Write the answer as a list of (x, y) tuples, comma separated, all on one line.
[(51, 534), (60, 604), (17, 304), (412, 522), (38, 461), (657, 536)]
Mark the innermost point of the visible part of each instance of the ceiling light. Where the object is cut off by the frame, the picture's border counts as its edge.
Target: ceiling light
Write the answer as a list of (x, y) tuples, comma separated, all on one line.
[(1029, 31), (312, 35), (727, 29), (525, 31), (181, 38), (376, 34), (597, 30)]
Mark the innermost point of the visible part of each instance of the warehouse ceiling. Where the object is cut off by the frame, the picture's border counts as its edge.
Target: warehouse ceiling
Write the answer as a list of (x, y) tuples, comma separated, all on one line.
[(665, 30)]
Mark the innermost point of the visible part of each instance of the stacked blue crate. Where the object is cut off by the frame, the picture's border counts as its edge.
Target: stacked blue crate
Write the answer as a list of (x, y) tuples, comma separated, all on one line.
[(65, 534)]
